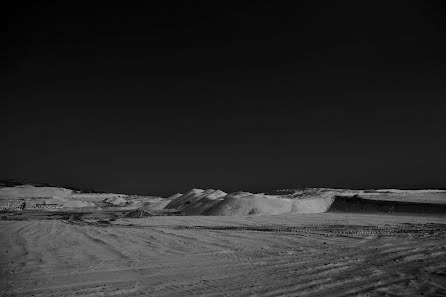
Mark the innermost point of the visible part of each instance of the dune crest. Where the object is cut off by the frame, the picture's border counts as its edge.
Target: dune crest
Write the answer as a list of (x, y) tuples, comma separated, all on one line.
[(312, 200)]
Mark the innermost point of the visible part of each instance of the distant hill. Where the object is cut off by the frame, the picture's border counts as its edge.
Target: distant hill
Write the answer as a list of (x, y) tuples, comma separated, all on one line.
[(15, 182)]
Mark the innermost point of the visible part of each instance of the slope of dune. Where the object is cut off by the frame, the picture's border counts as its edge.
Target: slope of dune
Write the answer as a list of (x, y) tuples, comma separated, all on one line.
[(306, 193), (196, 201), (156, 204), (203, 202), (358, 204), (67, 198), (77, 204), (304, 201), (218, 203), (242, 203), (184, 199), (117, 201), (174, 196)]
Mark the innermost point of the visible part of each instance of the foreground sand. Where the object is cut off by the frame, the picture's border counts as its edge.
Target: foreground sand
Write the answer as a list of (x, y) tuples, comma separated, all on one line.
[(329, 254)]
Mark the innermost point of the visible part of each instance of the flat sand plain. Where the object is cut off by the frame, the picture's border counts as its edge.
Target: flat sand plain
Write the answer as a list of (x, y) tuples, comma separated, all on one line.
[(327, 254)]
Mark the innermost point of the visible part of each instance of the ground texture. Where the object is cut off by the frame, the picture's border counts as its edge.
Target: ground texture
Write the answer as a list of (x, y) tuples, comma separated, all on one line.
[(288, 255)]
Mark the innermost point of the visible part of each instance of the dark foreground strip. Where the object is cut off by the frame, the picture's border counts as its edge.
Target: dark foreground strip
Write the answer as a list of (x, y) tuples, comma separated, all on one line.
[(419, 231), (437, 231)]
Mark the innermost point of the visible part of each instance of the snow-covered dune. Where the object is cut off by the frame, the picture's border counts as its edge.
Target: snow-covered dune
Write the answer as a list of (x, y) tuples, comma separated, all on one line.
[(66, 198), (196, 201), (213, 202), (304, 201)]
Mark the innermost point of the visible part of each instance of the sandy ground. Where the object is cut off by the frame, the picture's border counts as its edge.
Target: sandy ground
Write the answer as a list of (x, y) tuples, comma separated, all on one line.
[(328, 254)]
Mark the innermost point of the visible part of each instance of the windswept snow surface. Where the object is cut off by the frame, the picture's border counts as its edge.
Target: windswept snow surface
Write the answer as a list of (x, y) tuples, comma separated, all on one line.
[(329, 254), (219, 203), (312, 200), (65, 197)]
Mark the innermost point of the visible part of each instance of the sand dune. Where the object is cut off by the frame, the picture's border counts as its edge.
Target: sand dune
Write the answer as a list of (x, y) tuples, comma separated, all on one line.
[(314, 200), (77, 204), (67, 198), (358, 204), (243, 203), (196, 201), (218, 203), (118, 201), (174, 196)]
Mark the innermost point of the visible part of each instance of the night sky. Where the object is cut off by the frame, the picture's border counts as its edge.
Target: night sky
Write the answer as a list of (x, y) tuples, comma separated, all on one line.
[(158, 99)]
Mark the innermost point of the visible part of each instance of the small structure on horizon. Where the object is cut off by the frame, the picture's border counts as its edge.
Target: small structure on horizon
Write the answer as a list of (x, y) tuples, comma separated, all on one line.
[(42, 204), (12, 205), (48, 206)]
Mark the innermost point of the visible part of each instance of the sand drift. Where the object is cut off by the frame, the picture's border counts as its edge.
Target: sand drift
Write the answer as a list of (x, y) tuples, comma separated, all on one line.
[(298, 242), (306, 201), (218, 203)]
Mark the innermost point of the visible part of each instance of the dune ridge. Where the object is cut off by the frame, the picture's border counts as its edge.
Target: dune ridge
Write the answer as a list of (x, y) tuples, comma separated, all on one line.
[(214, 202), (305, 201)]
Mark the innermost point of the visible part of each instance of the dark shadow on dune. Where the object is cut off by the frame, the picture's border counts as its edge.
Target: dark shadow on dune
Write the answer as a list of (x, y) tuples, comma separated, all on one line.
[(358, 204)]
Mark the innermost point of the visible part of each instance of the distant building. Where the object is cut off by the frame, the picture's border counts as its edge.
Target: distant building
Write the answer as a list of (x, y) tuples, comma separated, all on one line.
[(48, 206), (4, 205), (41, 204), (30, 204), (12, 205)]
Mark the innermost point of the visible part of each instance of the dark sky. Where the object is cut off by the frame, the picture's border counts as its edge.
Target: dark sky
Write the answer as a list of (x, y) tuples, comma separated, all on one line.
[(157, 99)]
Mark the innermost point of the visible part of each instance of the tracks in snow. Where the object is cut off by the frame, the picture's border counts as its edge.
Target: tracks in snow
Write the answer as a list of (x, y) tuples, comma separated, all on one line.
[(418, 231), (202, 260)]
